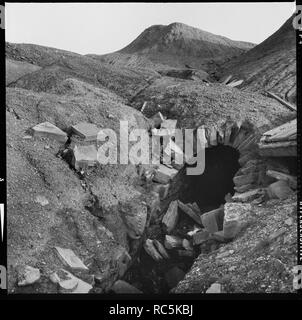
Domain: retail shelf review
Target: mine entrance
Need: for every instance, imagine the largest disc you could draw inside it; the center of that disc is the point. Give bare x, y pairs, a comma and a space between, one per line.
209, 189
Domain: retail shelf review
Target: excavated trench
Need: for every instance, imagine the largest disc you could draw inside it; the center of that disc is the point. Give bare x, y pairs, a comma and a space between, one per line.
208, 191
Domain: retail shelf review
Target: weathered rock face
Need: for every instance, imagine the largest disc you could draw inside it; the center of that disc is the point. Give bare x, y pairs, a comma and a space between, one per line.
280, 190
71, 219
266, 244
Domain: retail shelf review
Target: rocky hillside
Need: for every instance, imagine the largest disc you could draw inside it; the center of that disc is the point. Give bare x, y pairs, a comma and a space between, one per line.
176, 45
271, 65
104, 224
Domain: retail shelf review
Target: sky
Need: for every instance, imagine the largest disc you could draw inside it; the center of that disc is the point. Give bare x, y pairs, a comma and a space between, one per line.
107, 27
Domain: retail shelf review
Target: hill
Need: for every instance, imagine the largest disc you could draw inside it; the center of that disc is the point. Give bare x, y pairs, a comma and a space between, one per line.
176, 45
271, 65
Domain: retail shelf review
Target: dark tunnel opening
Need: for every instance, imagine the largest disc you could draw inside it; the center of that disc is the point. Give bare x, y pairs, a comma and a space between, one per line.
209, 189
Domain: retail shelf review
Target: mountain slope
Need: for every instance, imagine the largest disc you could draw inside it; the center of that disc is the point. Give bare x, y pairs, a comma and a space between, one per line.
176, 45
271, 65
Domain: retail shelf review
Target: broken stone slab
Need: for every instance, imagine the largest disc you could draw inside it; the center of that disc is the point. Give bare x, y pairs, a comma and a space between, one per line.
48, 130
192, 214
144, 106
195, 208
248, 196
28, 275
171, 216
214, 288
172, 242
161, 249
173, 276
157, 119
245, 179
68, 283
84, 156
164, 174
151, 250
123, 287
208, 220
278, 149
291, 180
200, 237
235, 83
226, 79
213, 220
233, 215
161, 189
279, 190
87, 131
282, 101
69, 258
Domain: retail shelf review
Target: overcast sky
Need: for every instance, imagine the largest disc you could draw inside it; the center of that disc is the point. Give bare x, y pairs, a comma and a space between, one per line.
106, 27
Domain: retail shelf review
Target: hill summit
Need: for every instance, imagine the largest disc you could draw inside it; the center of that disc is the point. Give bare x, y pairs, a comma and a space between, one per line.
177, 45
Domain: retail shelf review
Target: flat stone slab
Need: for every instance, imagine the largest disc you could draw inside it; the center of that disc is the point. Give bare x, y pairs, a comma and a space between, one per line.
248, 196
84, 156
49, 130
164, 174
161, 249
87, 131
279, 190
292, 181
233, 216
214, 288
28, 275
245, 179
190, 212
170, 218
172, 242
68, 283
121, 287
213, 220
69, 258
200, 237
151, 250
